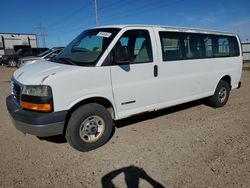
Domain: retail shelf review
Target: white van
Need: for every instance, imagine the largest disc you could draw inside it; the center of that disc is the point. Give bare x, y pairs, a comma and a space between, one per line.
114, 72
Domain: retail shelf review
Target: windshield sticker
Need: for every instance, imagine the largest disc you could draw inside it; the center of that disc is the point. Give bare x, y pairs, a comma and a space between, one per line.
104, 34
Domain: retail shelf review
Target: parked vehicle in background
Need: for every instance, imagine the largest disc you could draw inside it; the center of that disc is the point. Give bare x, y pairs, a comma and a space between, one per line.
1, 59
110, 73
12, 59
47, 55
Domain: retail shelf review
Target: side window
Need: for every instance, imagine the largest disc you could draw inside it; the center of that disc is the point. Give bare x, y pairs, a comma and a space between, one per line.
192, 45
171, 46
220, 46
233, 46
207, 40
124, 41
138, 44
223, 47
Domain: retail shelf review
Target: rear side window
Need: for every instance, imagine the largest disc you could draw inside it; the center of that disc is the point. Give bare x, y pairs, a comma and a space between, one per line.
223, 47
220, 46
192, 45
171, 46
234, 46
207, 40
177, 46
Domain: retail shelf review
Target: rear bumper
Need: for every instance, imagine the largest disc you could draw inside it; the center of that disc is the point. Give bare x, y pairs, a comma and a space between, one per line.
36, 123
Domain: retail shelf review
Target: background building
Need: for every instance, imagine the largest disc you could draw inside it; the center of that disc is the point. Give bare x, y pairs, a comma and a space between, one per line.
9, 42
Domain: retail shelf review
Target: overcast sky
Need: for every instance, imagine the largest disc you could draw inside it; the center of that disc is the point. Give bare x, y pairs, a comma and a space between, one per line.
63, 19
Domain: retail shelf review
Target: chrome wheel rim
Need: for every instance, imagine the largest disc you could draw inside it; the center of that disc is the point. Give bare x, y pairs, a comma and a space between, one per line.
92, 128
222, 95
12, 63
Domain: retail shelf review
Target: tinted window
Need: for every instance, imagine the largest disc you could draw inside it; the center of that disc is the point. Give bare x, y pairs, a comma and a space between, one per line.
233, 46
171, 46
220, 46
192, 45
207, 40
223, 47
139, 45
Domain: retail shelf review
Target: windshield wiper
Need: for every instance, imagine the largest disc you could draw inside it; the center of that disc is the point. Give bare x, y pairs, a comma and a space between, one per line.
67, 60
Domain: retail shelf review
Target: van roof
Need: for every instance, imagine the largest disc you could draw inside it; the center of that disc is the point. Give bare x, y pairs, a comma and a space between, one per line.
172, 28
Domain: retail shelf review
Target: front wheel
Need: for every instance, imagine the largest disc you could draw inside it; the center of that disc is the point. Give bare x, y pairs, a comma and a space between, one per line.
89, 127
221, 94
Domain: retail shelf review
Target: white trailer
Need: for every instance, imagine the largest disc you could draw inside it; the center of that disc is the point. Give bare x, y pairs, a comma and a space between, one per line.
9, 40
246, 50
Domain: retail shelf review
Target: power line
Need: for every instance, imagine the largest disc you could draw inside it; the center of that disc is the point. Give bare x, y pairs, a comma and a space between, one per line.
66, 19
144, 9
108, 6
41, 34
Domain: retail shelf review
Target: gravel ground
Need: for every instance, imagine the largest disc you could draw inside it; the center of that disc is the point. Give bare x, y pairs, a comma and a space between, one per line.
191, 145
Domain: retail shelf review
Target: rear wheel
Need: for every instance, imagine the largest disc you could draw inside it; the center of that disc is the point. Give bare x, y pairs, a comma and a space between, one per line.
221, 94
89, 127
12, 63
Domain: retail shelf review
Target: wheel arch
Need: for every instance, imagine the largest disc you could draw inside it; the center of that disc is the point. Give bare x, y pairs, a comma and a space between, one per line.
99, 100
227, 79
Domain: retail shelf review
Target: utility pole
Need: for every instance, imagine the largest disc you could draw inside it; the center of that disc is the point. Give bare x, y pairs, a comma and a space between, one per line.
96, 13
41, 34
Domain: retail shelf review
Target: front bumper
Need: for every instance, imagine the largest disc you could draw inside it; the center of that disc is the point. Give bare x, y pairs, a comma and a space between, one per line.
36, 123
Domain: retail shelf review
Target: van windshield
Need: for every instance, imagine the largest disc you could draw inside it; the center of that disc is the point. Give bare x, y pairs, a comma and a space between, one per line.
87, 48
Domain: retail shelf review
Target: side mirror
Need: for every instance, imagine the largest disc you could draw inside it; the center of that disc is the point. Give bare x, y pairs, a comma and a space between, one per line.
122, 55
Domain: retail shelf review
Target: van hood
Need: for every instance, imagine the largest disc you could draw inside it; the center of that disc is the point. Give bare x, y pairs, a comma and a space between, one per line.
37, 73
30, 58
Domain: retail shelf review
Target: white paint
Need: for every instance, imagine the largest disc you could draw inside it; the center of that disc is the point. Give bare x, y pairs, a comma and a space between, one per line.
177, 81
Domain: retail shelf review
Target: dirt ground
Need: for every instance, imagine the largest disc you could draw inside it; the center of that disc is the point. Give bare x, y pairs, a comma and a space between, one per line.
191, 145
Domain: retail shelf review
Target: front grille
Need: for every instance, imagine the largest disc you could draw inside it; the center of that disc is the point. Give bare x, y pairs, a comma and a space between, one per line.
16, 91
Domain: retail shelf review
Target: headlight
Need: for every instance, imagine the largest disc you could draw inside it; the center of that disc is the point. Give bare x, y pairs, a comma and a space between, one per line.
40, 90
38, 98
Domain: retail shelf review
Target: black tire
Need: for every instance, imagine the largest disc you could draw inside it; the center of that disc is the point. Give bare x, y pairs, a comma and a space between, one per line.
12, 63
221, 94
18, 65
89, 121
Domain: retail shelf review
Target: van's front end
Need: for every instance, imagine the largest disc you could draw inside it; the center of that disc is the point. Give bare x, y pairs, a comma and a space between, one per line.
31, 103
46, 96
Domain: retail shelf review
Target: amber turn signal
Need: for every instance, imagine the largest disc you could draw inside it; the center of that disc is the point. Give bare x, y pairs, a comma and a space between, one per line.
37, 107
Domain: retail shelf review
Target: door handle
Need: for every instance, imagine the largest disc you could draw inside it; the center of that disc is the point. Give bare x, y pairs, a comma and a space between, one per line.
155, 71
